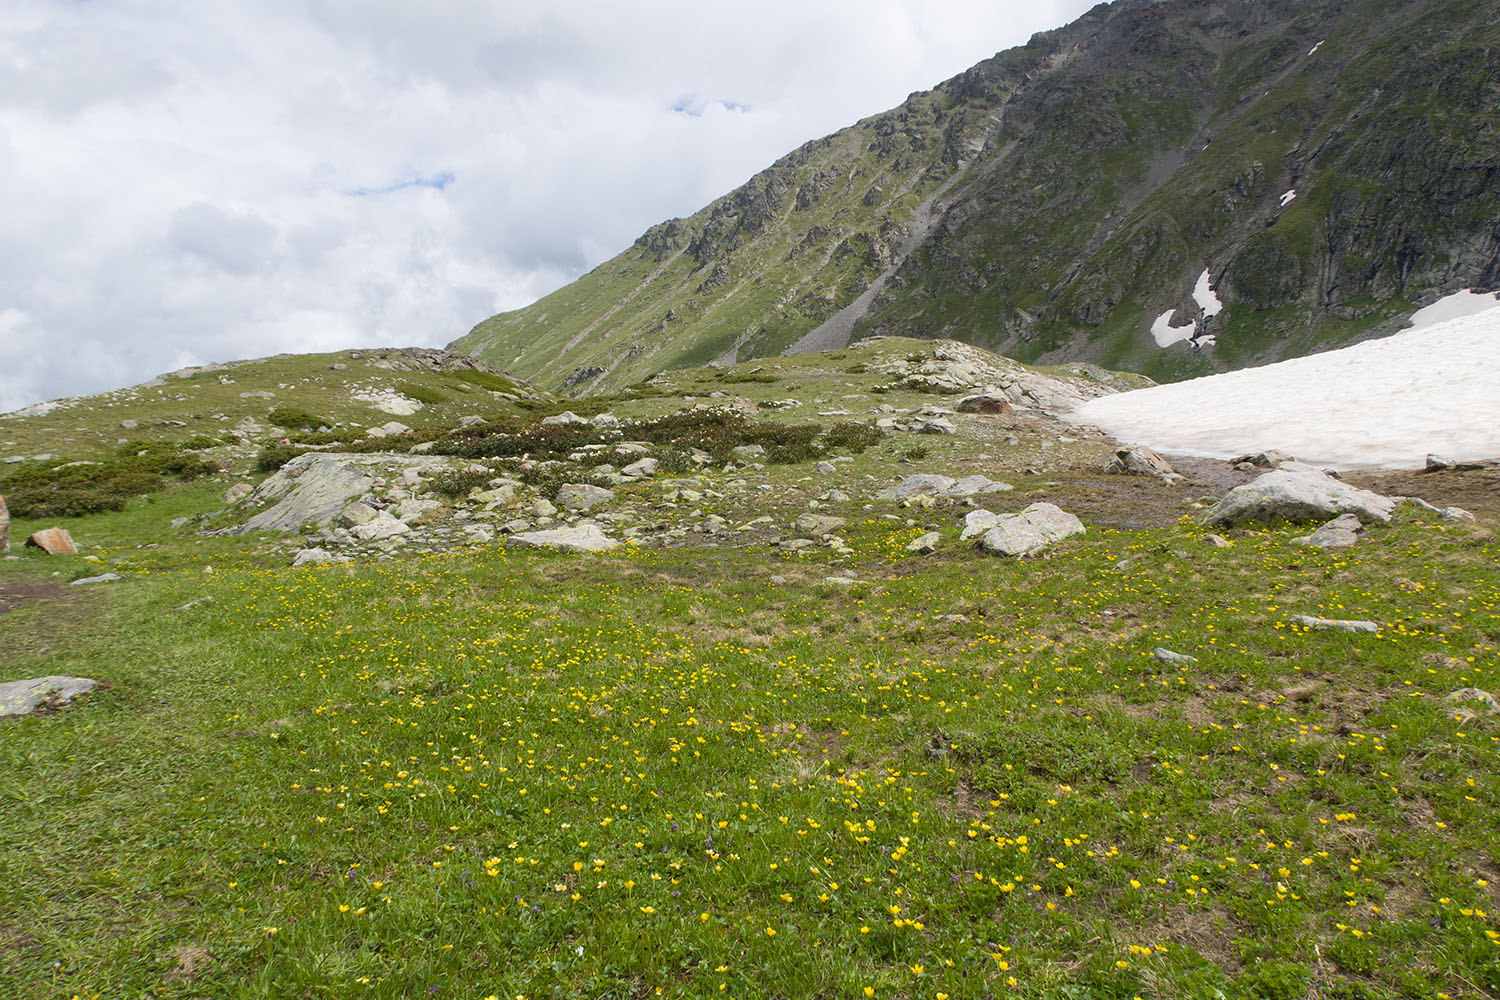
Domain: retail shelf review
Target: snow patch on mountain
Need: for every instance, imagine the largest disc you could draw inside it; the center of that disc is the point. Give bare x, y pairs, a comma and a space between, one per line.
1433, 388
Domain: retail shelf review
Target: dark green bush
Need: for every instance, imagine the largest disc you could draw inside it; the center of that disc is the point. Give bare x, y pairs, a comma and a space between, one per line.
293, 419
458, 484
35, 489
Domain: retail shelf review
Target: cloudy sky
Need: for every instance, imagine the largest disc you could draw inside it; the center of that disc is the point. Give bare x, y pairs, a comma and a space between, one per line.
183, 183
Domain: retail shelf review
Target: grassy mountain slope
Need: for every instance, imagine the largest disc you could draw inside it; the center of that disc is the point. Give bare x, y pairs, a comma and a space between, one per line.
1052, 201
743, 755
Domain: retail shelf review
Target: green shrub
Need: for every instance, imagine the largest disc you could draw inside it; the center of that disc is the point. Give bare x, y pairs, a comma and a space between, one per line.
458, 484
35, 489
292, 418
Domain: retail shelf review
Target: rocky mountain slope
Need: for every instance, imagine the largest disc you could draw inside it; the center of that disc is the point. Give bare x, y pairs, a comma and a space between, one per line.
1172, 187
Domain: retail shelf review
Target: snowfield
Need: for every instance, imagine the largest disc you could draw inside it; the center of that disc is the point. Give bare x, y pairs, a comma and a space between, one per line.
1434, 388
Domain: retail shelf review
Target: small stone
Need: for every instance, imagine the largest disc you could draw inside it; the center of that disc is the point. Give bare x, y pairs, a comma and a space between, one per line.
1474, 696
1457, 514
819, 524
379, 528
585, 537
824, 468
643, 469
357, 513
129, 425
1340, 533
1218, 541
563, 418
583, 496
1336, 625
1164, 655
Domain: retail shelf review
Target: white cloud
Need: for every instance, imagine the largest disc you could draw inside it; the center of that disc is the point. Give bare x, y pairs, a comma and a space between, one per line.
231, 179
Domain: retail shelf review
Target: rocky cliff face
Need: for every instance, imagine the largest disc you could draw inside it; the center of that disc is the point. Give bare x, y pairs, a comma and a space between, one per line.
1327, 166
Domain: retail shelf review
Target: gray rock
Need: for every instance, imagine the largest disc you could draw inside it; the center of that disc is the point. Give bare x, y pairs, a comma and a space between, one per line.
1297, 492
1263, 459
924, 544
565, 417
4, 526
101, 578
586, 537
916, 485
1218, 541
381, 527
315, 487
316, 557
819, 524
543, 508
605, 420
472, 420
391, 428
977, 522
478, 534
181, 522
1140, 461
643, 469
237, 492
1340, 533
25, 697
1335, 624
583, 496
1457, 514
1171, 658
973, 485
1030, 530
937, 425
357, 513
129, 425
413, 508
748, 451
258, 394
824, 468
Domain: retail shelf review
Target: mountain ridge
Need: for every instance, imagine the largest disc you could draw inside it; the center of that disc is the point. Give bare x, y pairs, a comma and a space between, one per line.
1079, 185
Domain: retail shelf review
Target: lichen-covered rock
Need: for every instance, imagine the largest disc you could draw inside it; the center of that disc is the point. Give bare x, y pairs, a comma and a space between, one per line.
1340, 533
1298, 492
587, 537
819, 524
1030, 530
583, 496
1141, 461
25, 697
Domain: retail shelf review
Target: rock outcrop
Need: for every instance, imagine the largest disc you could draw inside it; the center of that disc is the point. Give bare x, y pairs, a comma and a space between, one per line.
1029, 531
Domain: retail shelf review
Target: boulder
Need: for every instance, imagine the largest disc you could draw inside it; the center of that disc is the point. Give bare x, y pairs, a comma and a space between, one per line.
357, 513
237, 492
935, 425
563, 418
1297, 492
472, 420
53, 541
989, 401
971, 485
605, 420
391, 428
381, 527
748, 451
819, 524
316, 557
1340, 533
587, 537
1140, 461
1030, 530
643, 469
583, 496
924, 544
1172, 658
4, 526
977, 522
25, 697
916, 486
412, 508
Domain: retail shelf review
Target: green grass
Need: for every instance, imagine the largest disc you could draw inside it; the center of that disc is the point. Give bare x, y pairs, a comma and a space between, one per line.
523, 775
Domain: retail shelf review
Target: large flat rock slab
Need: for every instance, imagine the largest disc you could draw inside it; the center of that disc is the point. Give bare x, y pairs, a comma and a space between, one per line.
25, 697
